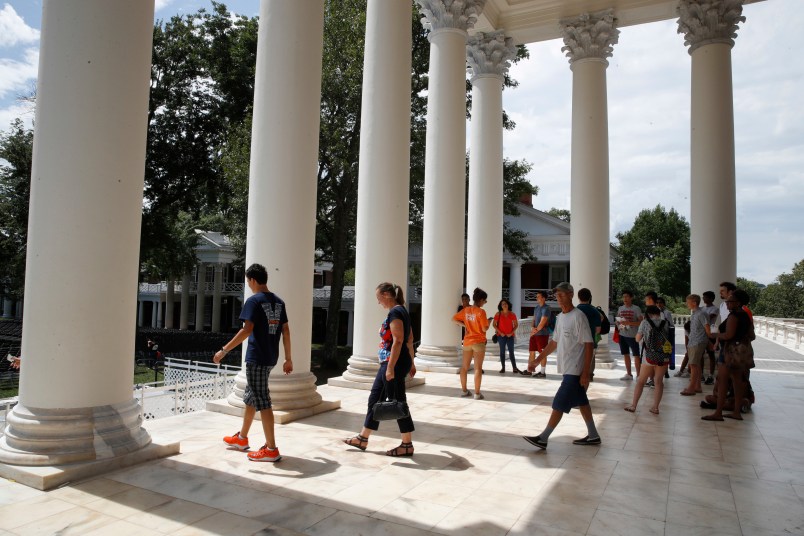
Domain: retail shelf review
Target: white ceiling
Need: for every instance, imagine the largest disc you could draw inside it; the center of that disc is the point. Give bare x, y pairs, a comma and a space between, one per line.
528, 21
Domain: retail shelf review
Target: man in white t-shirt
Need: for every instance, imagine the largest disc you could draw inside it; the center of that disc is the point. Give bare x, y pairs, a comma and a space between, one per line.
711, 311
572, 338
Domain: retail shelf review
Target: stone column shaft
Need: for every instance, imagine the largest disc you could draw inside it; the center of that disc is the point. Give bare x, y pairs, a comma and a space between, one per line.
515, 288
155, 314
184, 313
200, 296
710, 28
169, 303
216, 298
445, 182
284, 157
87, 180
140, 313
384, 178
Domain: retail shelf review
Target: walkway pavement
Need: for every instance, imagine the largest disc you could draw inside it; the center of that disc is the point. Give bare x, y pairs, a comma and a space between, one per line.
471, 474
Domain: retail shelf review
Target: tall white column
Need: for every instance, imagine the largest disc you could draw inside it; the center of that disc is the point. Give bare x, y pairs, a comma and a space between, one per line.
489, 56
200, 296
140, 313
86, 200
444, 180
515, 288
169, 303
184, 313
384, 178
7, 302
155, 314
284, 156
709, 29
216, 298
589, 40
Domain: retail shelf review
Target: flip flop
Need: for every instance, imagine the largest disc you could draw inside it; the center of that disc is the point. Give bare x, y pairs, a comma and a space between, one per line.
687, 393
629, 409
711, 418
732, 416
655, 411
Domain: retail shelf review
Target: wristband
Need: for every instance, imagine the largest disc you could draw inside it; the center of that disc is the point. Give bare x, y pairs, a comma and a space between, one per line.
224, 350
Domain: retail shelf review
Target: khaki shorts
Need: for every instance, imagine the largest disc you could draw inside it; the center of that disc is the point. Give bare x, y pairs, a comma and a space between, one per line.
696, 353
477, 347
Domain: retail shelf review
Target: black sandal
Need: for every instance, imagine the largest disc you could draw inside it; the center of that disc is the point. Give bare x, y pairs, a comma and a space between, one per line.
407, 450
358, 442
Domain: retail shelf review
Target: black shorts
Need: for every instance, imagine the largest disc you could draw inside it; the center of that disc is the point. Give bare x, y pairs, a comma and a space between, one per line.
570, 394
629, 343
257, 394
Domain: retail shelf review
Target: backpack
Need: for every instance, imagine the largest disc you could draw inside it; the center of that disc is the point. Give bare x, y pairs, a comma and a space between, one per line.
605, 325
657, 344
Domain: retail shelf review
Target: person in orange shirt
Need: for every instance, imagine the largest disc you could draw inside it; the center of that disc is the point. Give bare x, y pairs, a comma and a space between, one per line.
474, 320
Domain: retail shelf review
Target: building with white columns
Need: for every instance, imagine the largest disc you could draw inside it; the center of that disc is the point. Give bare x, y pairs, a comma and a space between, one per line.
88, 164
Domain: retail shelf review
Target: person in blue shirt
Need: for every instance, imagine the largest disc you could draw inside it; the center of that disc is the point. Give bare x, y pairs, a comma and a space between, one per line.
265, 322
593, 316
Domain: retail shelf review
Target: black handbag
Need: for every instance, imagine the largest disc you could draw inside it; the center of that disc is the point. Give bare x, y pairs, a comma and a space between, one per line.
390, 409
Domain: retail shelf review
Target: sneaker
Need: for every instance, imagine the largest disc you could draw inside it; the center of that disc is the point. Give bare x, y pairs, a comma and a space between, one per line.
502, 371
240, 443
584, 441
536, 440
479, 396
679, 374
466, 393
265, 455
650, 383
539, 375
686, 374
627, 378
709, 380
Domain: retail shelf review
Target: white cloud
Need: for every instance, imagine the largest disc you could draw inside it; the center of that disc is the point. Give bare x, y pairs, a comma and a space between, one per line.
162, 4
13, 29
17, 75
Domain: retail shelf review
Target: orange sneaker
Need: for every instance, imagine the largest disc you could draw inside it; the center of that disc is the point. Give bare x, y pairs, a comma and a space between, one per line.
265, 455
240, 443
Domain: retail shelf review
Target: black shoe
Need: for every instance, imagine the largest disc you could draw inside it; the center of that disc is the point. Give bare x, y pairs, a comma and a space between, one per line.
587, 441
502, 371
540, 375
707, 405
709, 380
536, 440
516, 371
649, 383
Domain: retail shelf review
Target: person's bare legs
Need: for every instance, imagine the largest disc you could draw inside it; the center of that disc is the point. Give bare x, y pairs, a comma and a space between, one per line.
739, 388
248, 418
640, 385
479, 356
637, 364
658, 387
267, 417
694, 386
722, 387
555, 418
627, 360
467, 360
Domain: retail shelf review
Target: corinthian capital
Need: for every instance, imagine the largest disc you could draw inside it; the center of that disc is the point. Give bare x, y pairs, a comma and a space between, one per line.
454, 14
490, 53
709, 21
590, 35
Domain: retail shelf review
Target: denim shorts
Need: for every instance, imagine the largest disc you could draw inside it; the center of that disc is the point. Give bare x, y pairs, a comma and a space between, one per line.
571, 394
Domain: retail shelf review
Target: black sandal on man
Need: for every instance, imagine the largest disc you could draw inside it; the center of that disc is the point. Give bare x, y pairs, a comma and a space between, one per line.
404, 449
358, 442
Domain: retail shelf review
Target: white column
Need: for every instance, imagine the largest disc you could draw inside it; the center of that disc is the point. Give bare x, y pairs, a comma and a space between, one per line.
515, 288
86, 202
489, 56
384, 178
155, 314
589, 40
216, 298
710, 28
185, 301
140, 313
284, 156
350, 329
7, 302
200, 296
18, 308
169, 304
445, 180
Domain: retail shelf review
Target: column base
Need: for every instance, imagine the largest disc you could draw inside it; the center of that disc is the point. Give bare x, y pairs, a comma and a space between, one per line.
444, 359
294, 397
361, 372
603, 356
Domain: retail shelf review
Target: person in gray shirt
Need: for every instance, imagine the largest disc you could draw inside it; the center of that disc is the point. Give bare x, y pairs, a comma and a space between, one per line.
629, 316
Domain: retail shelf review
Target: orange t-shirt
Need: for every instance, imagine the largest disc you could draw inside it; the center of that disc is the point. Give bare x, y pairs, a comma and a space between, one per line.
476, 322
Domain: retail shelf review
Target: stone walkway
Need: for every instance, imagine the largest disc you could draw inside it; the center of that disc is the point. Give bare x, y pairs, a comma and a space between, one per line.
471, 474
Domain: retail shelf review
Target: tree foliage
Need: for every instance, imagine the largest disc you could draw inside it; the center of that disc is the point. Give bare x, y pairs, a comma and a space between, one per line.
16, 149
784, 298
654, 255
560, 213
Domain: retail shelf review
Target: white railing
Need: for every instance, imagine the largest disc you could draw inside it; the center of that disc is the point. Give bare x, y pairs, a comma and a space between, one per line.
680, 320
781, 330
209, 287
186, 387
324, 293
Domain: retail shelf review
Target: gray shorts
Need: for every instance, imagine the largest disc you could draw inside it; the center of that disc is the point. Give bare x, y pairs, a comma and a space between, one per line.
257, 394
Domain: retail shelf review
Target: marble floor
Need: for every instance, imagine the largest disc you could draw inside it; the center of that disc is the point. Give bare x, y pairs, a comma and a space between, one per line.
472, 472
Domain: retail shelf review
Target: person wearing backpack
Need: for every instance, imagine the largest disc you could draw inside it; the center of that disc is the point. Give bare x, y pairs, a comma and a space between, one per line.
655, 333
595, 320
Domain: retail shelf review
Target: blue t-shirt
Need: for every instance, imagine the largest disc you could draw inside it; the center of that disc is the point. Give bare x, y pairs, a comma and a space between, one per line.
268, 313
593, 316
387, 339
539, 312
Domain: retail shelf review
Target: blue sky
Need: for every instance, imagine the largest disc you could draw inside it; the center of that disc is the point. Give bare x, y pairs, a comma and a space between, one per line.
649, 118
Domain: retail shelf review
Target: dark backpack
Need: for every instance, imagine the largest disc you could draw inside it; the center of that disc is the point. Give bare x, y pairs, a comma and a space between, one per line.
605, 325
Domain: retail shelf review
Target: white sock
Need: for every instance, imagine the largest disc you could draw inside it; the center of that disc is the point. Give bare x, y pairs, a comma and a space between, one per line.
544, 369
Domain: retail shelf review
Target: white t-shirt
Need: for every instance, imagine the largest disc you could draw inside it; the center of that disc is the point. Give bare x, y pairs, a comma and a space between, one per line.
711, 316
724, 312
571, 334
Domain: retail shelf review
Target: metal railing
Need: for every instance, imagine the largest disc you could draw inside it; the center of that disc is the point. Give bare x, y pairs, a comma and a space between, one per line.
186, 387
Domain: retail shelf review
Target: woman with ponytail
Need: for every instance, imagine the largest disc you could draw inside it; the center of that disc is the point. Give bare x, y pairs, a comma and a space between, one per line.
396, 362
474, 319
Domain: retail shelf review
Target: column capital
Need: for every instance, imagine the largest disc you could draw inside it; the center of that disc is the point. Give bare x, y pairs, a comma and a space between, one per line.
489, 54
704, 22
450, 14
590, 36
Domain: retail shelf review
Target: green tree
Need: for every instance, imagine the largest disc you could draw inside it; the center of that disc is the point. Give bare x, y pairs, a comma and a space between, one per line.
16, 148
560, 213
753, 289
654, 255
784, 298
